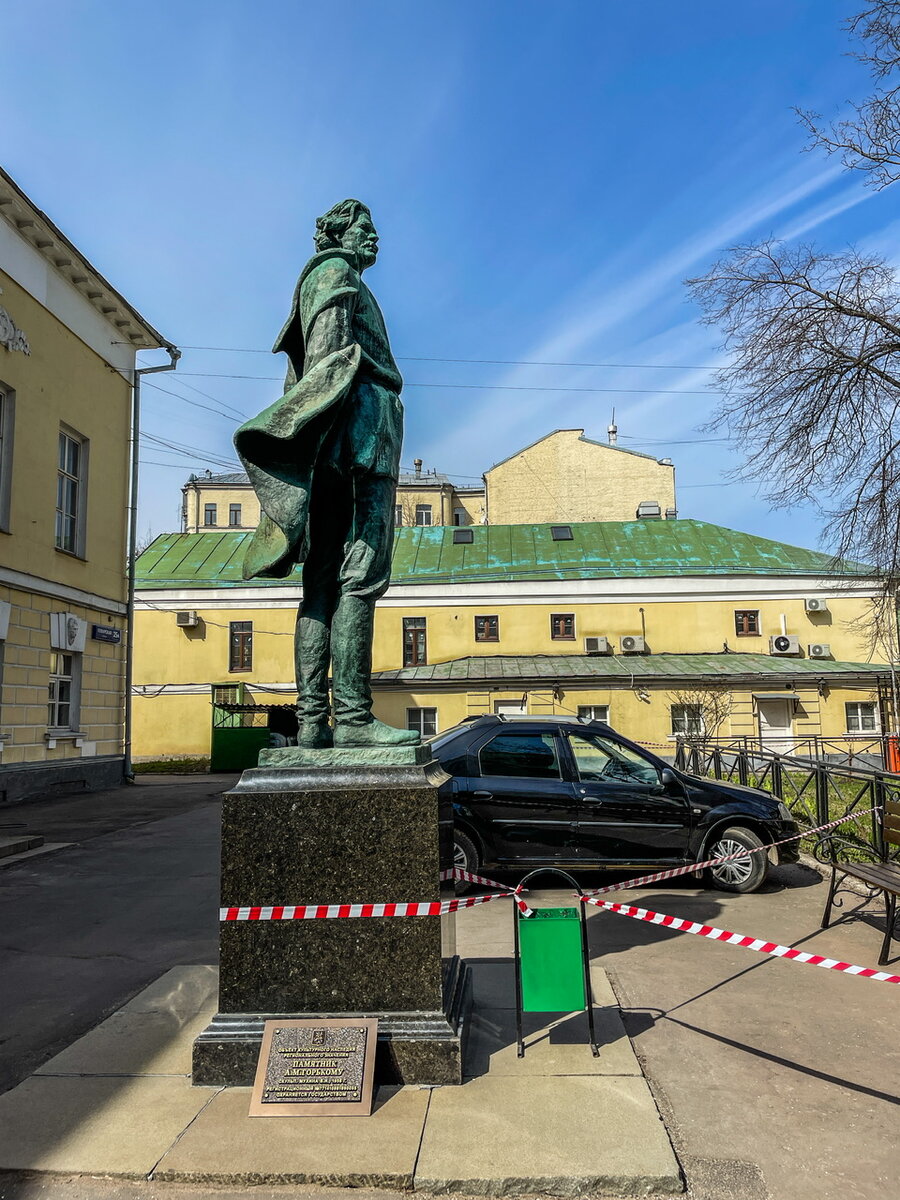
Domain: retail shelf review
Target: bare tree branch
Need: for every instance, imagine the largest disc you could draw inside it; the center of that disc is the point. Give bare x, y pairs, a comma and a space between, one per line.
869, 141
812, 389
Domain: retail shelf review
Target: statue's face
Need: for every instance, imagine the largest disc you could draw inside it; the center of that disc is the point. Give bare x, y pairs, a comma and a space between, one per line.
362, 239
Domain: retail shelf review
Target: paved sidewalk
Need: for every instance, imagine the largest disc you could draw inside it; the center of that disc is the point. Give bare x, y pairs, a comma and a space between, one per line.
83, 930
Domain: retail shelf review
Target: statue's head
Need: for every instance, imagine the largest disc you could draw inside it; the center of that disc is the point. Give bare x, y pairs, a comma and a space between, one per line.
348, 225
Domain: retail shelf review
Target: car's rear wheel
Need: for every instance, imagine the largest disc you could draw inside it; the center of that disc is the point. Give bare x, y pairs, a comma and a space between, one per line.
465, 856
741, 874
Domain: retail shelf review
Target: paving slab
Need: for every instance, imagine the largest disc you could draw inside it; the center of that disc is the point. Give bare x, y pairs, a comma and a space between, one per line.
558, 1046
95, 1125
133, 1043
183, 991
225, 1145
506, 1135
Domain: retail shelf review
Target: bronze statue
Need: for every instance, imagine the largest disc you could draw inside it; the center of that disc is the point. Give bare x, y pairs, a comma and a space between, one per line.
324, 461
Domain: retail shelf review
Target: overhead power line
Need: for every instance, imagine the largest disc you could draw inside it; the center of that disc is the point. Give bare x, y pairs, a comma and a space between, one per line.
497, 362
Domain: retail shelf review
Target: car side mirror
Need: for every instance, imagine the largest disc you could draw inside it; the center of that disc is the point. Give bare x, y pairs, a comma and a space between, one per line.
668, 779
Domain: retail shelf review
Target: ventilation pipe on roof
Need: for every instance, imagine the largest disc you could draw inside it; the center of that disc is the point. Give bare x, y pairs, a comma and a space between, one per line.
613, 430
417, 463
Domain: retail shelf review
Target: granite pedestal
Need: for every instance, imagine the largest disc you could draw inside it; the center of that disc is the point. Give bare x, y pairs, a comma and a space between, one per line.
309, 827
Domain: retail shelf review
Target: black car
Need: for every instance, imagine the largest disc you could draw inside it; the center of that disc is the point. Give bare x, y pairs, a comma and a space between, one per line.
543, 791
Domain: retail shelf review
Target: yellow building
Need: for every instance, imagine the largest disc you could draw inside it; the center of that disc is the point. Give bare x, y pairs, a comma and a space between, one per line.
563, 476
568, 477
661, 627
67, 354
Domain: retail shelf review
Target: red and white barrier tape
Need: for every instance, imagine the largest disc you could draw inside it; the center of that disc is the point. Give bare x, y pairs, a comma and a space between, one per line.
740, 939
423, 908
693, 868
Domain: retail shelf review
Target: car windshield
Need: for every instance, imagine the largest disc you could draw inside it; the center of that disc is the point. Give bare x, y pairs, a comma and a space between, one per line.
601, 758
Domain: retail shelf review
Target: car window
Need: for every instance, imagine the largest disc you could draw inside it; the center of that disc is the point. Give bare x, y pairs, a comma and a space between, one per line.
600, 758
528, 755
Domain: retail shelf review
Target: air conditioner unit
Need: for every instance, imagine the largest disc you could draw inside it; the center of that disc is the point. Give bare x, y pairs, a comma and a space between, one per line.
784, 643
596, 645
815, 604
820, 650
632, 643
187, 620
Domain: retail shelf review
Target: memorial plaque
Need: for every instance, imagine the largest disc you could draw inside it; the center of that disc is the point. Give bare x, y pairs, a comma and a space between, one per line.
310, 1068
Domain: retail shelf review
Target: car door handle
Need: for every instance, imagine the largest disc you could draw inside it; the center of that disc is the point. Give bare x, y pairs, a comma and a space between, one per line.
482, 795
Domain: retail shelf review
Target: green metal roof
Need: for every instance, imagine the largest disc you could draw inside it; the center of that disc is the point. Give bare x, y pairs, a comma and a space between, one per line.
632, 669
597, 550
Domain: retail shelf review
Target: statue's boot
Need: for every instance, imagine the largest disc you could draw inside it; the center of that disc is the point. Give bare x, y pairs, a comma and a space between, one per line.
351, 649
312, 652
315, 735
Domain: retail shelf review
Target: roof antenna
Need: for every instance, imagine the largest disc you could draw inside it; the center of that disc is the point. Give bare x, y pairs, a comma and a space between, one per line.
613, 429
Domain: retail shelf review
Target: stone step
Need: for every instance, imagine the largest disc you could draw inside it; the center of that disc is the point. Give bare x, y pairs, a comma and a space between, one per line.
19, 843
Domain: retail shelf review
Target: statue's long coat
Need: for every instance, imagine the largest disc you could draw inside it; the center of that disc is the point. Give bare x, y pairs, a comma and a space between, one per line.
280, 447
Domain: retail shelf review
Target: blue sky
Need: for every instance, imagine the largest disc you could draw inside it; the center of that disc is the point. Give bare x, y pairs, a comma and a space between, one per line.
543, 178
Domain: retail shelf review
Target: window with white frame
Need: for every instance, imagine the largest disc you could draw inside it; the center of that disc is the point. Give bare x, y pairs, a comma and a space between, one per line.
423, 514
687, 719
71, 481
593, 712
422, 720
62, 708
862, 716
398, 515
6, 435
210, 514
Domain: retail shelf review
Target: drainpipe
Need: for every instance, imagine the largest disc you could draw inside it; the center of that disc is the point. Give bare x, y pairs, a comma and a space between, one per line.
174, 355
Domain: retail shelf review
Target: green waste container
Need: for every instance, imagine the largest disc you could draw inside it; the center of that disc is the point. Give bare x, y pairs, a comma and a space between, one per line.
551, 962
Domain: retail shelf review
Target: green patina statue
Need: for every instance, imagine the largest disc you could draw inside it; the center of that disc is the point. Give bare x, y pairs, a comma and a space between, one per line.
323, 461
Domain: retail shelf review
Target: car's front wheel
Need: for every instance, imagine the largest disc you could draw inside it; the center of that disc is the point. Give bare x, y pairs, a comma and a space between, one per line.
740, 874
465, 856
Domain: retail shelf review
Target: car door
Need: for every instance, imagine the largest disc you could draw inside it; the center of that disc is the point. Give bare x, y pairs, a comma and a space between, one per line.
626, 813
516, 788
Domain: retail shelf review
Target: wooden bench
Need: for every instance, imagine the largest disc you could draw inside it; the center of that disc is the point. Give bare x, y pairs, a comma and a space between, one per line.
883, 875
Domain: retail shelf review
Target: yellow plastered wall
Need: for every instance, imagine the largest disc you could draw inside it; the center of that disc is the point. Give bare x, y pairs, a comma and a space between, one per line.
26, 668
166, 654
64, 382
672, 627
199, 494
565, 477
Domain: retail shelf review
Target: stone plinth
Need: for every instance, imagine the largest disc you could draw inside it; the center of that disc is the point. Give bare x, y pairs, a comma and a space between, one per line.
335, 834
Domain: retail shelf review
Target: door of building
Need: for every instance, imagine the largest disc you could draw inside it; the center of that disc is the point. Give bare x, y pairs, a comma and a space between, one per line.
776, 725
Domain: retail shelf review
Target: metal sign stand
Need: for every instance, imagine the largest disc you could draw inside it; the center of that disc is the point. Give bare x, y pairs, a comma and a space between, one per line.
586, 993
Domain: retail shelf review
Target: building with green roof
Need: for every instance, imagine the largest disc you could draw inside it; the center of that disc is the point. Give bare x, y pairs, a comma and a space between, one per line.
636, 621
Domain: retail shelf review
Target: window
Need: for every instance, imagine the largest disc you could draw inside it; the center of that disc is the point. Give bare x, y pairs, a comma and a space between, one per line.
460, 516
209, 514
463, 537
528, 755
746, 622
423, 720
62, 709
561, 533
562, 627
600, 758
234, 514
594, 712
487, 629
687, 719
240, 646
398, 515
70, 479
6, 435
423, 514
862, 716
414, 644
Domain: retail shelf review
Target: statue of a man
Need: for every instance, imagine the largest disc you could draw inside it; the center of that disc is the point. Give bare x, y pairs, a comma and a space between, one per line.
324, 461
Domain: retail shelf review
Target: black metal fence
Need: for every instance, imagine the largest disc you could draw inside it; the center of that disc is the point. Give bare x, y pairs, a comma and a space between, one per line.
867, 750
815, 790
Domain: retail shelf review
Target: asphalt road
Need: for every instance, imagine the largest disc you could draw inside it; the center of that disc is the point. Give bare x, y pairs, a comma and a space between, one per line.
85, 929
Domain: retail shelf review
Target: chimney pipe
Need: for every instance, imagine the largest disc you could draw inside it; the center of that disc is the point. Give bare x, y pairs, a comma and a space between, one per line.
613, 429
417, 463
